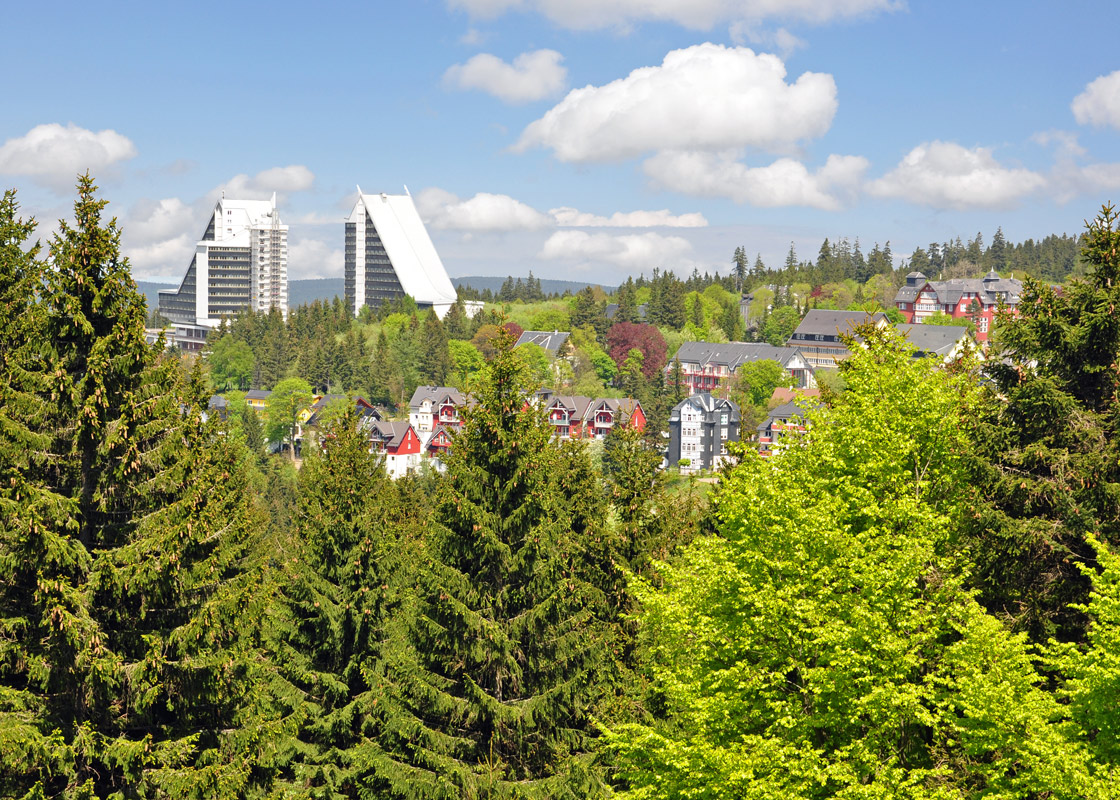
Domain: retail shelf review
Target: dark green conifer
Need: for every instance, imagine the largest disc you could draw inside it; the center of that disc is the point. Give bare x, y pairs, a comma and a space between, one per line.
496, 699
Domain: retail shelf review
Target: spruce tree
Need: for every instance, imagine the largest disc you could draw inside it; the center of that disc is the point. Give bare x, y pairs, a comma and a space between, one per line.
434, 353
126, 589
1046, 472
495, 698
339, 595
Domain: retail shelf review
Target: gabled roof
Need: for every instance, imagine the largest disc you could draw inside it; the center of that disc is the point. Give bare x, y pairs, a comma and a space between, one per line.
707, 403
786, 412
576, 404
785, 395
414, 258
391, 434
364, 408
826, 322
437, 431
733, 354
436, 394
939, 340
551, 341
258, 394
621, 407
989, 290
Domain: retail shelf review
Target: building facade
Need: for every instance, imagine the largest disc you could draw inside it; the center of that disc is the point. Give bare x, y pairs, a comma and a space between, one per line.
433, 406
241, 262
977, 299
700, 428
705, 365
818, 337
388, 254
579, 417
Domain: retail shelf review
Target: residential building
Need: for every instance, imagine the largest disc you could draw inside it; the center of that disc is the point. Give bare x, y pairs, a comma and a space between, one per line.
552, 342
704, 365
257, 399
818, 335
977, 299
432, 406
241, 262
388, 254
398, 443
579, 417
438, 447
187, 337
700, 428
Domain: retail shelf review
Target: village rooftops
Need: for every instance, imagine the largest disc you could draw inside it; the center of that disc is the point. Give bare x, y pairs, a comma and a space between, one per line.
989, 290
434, 394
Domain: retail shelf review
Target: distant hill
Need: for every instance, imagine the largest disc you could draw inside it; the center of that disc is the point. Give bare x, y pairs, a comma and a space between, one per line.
151, 291
302, 293
548, 286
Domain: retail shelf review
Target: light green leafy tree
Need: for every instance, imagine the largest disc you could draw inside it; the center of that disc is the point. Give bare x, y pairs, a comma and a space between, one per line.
822, 643
231, 363
288, 400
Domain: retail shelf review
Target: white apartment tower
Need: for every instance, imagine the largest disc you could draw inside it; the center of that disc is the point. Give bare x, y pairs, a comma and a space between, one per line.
241, 262
389, 254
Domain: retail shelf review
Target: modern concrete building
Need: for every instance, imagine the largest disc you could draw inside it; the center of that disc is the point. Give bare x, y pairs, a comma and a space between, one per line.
240, 262
389, 254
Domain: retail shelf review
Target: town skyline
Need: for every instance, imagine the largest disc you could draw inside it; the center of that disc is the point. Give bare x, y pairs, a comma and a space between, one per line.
589, 143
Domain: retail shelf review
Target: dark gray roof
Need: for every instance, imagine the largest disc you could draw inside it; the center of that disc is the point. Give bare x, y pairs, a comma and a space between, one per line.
826, 322
989, 290
788, 411
391, 433
258, 394
733, 354
436, 394
551, 341
933, 339
612, 309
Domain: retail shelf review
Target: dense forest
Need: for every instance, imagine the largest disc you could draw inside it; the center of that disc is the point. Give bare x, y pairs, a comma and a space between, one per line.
918, 597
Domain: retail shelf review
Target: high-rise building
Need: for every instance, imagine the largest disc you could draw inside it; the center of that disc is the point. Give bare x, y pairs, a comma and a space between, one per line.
389, 254
241, 262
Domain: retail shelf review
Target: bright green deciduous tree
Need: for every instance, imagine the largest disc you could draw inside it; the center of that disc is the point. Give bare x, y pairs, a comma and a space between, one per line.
289, 398
823, 645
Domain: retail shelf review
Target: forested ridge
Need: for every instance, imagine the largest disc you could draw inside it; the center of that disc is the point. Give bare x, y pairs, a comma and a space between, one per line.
918, 597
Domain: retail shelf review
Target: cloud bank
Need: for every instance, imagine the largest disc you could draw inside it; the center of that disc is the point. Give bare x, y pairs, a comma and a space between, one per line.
531, 76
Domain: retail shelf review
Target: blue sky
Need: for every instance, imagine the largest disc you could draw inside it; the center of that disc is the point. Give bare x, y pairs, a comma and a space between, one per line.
575, 138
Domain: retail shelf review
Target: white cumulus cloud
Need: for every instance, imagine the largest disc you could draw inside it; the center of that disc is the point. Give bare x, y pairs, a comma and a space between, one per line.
1099, 104
284, 180
485, 212
695, 14
531, 76
53, 155
947, 175
705, 97
314, 258
574, 218
631, 251
786, 182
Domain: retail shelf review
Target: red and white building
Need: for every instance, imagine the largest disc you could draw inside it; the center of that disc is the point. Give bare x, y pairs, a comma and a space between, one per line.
432, 406
578, 417
400, 445
708, 366
977, 299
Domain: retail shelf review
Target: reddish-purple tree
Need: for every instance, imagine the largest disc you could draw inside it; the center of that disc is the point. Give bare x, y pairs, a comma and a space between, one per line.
626, 335
513, 329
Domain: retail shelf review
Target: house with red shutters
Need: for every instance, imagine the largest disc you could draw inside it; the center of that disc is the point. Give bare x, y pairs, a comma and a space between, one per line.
579, 417
977, 299
399, 443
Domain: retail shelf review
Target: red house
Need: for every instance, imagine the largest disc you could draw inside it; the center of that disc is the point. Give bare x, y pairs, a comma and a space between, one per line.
578, 417
976, 299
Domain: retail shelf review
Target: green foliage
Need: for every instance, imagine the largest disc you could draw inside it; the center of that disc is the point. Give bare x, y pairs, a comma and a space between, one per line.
1047, 466
495, 695
128, 591
339, 597
823, 645
755, 382
231, 363
288, 400
780, 325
